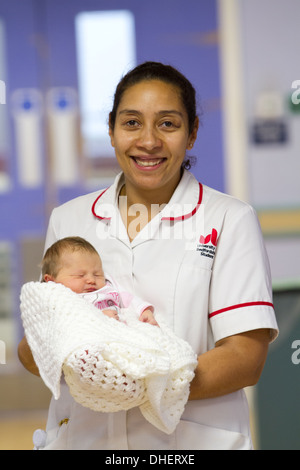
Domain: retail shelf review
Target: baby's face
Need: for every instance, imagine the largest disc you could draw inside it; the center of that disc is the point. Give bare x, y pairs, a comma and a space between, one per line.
81, 271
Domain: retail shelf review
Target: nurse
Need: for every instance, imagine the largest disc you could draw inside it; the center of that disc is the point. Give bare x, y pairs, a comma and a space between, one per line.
196, 254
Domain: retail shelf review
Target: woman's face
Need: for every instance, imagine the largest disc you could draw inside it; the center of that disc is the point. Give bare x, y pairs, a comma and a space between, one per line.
151, 136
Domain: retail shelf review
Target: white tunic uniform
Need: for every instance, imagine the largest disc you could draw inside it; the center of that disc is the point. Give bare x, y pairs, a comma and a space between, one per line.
202, 263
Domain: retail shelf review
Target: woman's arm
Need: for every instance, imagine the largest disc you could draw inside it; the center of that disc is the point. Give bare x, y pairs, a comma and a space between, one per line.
235, 362
26, 357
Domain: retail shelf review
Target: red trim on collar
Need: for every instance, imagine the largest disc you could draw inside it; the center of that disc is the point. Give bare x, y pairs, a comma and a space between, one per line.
190, 214
94, 204
181, 217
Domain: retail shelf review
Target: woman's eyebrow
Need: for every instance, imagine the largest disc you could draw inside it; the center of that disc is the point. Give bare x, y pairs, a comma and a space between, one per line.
162, 112
129, 111
170, 111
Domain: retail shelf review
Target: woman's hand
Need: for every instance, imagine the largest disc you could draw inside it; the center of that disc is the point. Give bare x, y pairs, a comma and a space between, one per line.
235, 362
26, 357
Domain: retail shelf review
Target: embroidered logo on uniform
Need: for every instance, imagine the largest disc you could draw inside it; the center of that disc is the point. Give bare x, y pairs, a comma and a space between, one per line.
208, 243
213, 238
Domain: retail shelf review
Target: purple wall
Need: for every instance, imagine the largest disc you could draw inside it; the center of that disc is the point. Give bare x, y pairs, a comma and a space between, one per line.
182, 33
40, 53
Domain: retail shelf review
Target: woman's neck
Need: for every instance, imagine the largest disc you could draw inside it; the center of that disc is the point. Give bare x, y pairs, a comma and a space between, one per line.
138, 207
145, 198
148, 196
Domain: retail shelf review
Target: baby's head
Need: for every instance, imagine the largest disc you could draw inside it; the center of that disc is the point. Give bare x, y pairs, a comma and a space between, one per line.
75, 263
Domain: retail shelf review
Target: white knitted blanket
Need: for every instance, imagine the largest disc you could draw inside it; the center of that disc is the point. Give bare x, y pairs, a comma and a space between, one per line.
108, 365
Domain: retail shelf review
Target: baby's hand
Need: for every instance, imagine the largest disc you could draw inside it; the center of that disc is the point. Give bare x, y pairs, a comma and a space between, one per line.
147, 317
112, 313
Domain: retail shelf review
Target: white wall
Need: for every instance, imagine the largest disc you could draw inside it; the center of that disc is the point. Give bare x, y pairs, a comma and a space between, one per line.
259, 40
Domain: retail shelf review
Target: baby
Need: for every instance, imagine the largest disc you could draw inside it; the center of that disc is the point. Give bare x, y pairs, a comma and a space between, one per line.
75, 263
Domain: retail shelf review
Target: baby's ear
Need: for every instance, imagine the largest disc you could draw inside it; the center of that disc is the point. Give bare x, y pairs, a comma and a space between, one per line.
48, 277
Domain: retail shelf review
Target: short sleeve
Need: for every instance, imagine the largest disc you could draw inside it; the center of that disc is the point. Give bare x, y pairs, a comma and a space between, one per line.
241, 287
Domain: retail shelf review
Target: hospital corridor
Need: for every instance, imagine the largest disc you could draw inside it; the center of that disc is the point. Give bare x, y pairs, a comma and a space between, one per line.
60, 62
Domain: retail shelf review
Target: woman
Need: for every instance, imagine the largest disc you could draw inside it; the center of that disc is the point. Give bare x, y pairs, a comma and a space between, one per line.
195, 253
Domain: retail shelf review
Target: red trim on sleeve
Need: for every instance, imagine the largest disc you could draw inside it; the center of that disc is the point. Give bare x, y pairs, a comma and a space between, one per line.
246, 304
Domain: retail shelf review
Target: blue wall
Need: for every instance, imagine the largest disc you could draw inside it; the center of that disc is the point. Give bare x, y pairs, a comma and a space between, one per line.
41, 53
181, 33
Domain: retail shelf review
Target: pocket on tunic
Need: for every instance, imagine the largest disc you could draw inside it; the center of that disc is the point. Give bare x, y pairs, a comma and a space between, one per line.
191, 301
195, 436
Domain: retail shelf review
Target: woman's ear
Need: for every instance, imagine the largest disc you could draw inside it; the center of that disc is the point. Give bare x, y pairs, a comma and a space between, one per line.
193, 134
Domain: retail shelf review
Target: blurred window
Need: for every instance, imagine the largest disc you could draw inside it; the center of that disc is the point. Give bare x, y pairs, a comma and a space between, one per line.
105, 51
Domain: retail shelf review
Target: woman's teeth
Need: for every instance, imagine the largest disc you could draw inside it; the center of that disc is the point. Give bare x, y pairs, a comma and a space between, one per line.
148, 162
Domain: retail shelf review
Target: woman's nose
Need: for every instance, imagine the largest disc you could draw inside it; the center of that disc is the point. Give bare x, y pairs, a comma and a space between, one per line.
149, 138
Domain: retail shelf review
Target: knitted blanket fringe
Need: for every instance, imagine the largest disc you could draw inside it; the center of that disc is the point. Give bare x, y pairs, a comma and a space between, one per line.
108, 365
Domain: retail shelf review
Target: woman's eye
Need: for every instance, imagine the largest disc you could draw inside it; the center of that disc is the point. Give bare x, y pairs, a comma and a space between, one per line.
132, 123
169, 125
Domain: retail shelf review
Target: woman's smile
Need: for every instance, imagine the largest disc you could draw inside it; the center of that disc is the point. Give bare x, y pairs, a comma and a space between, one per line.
148, 163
